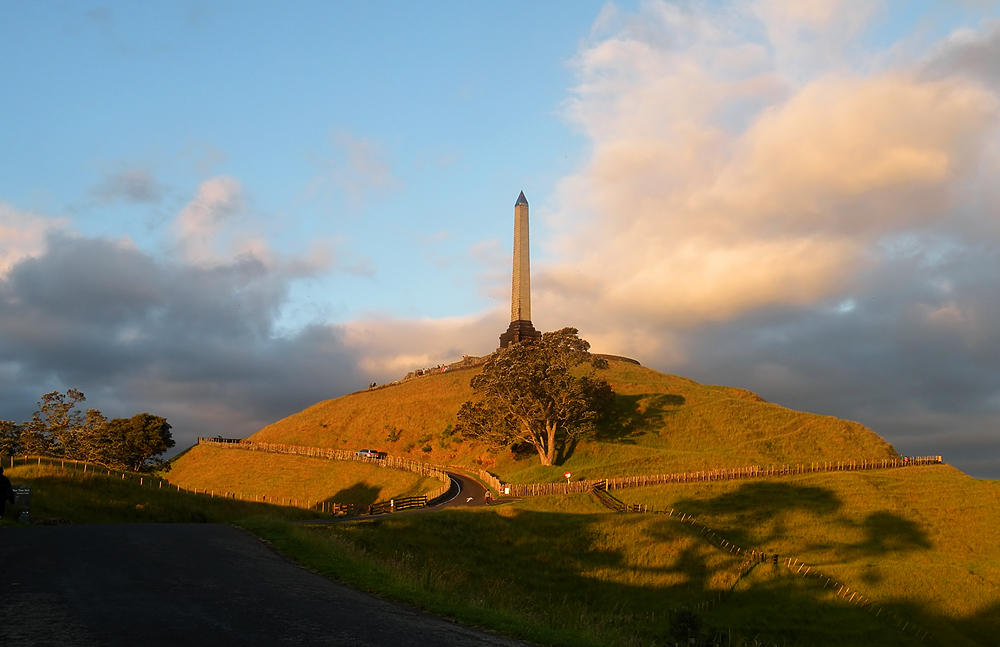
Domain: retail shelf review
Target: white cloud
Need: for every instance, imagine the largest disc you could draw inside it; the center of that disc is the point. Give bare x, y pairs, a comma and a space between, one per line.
389, 348
23, 234
686, 219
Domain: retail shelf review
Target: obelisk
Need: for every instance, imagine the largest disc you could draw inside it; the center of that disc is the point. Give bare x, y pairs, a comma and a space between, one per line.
520, 328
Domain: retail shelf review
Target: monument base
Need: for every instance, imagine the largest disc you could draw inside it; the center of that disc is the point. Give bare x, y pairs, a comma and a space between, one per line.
520, 330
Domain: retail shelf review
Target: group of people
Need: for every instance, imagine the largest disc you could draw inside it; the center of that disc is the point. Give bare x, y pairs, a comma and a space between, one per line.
440, 368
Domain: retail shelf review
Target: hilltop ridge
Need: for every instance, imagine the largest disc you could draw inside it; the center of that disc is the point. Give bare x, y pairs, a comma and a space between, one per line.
660, 423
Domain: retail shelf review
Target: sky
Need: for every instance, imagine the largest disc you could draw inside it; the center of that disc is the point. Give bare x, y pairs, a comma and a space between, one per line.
222, 212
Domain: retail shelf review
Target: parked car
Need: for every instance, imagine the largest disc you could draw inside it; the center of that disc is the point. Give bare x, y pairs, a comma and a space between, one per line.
368, 453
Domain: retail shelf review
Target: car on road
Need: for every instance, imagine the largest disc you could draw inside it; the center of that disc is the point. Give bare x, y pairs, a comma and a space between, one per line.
369, 453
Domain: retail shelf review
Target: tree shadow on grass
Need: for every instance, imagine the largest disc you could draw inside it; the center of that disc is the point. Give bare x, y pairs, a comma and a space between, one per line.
762, 505
887, 532
565, 448
358, 494
632, 416
564, 569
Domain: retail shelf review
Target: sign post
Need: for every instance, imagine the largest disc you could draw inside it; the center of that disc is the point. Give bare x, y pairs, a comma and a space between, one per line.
567, 475
22, 503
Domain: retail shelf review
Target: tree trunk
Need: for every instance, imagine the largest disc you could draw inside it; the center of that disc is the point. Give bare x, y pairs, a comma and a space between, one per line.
550, 430
539, 443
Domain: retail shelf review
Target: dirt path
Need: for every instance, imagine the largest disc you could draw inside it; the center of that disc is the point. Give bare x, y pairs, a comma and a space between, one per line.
189, 584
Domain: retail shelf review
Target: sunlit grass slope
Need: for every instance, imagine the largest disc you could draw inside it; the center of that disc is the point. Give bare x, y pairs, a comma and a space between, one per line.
923, 542
88, 497
661, 423
294, 477
924, 539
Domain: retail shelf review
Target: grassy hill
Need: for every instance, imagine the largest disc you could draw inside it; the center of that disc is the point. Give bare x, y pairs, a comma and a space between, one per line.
923, 542
661, 423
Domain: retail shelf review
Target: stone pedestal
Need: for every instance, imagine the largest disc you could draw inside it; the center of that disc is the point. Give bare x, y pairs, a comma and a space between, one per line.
519, 330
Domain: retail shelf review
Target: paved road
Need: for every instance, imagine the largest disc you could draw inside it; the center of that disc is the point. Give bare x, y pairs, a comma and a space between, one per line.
471, 492
189, 584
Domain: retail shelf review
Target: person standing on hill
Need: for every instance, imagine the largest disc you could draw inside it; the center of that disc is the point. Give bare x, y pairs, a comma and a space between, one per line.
6, 492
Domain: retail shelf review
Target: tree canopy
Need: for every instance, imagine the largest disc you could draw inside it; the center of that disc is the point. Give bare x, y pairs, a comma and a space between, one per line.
542, 393
61, 430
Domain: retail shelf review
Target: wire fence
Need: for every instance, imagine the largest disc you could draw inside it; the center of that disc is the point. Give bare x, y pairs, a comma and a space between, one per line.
753, 472
149, 480
416, 467
752, 558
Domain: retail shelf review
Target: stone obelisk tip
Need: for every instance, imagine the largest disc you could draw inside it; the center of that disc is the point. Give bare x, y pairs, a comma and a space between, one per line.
521, 199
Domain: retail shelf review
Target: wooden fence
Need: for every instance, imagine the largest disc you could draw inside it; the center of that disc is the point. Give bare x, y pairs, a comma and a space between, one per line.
163, 484
621, 483
148, 480
417, 467
397, 505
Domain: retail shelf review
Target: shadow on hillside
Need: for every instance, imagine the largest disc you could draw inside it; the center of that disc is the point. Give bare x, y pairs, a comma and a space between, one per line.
765, 506
632, 416
565, 448
769, 508
886, 532
359, 494
631, 571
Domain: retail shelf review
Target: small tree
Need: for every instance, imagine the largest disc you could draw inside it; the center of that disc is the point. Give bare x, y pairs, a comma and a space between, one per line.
10, 438
137, 443
58, 428
534, 393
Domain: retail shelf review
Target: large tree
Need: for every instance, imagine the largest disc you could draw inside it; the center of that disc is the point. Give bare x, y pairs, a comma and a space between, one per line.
542, 393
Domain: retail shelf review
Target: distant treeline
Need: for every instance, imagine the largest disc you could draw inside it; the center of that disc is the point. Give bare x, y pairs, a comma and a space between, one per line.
59, 430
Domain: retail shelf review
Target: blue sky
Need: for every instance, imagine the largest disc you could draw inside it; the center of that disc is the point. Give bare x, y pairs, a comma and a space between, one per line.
223, 212
449, 111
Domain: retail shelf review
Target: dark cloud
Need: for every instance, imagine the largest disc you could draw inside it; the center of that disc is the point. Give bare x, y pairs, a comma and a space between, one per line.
135, 186
972, 54
913, 352
195, 344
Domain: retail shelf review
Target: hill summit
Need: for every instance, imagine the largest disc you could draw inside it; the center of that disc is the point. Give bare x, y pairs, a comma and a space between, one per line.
660, 423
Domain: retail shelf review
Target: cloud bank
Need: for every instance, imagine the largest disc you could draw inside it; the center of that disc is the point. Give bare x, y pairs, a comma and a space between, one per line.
777, 209
190, 336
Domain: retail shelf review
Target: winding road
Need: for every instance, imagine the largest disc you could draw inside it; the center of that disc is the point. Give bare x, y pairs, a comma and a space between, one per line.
190, 584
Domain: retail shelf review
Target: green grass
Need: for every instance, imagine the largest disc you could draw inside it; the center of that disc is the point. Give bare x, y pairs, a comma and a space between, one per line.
58, 493
923, 542
294, 477
661, 423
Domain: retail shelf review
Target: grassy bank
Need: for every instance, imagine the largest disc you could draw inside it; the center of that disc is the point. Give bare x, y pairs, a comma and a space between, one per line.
294, 477
79, 497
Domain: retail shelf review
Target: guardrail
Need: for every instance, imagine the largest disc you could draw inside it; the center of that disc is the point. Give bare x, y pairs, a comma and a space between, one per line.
398, 505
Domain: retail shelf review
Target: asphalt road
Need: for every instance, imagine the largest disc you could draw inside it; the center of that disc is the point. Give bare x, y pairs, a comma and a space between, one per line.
190, 584
471, 492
